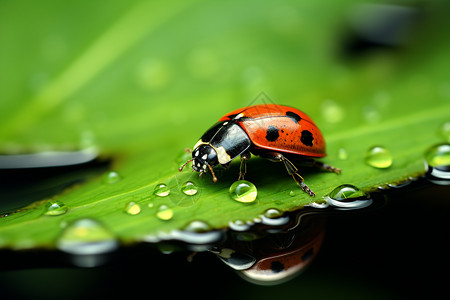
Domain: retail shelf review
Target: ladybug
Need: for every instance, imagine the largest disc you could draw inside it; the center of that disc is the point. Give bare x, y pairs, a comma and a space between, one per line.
278, 257
271, 131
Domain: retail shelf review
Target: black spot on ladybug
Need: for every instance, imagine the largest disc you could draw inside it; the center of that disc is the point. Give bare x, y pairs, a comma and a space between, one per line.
272, 134
307, 138
276, 266
308, 254
296, 118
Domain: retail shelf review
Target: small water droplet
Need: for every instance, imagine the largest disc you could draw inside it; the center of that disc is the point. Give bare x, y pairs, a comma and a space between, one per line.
292, 193
161, 190
437, 162
332, 112
347, 197
164, 213
445, 131
243, 191
371, 114
132, 208
88, 241
378, 157
55, 208
112, 177
342, 154
189, 188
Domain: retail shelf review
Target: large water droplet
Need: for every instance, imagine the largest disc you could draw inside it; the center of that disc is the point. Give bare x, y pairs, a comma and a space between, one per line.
243, 191
347, 197
88, 241
437, 162
112, 177
164, 213
132, 208
378, 157
161, 190
55, 208
189, 188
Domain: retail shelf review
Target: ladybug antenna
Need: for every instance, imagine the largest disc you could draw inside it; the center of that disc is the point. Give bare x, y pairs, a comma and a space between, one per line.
212, 173
181, 168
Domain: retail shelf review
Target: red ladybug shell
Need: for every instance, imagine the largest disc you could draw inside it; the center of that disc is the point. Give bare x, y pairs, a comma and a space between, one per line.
279, 128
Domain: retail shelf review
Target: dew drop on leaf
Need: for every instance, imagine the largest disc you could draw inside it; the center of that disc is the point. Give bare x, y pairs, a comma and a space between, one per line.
378, 157
437, 162
132, 208
164, 213
88, 241
243, 191
445, 131
342, 154
197, 226
189, 188
112, 177
348, 197
161, 190
55, 208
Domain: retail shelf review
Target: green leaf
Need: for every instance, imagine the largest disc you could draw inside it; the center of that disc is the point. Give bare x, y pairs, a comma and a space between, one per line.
143, 81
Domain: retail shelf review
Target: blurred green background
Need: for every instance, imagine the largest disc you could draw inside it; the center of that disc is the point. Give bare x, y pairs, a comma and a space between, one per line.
149, 77
130, 74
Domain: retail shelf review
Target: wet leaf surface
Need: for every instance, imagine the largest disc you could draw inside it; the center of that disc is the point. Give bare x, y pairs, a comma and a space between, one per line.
138, 91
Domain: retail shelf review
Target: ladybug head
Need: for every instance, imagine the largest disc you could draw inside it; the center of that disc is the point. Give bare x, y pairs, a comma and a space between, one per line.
204, 157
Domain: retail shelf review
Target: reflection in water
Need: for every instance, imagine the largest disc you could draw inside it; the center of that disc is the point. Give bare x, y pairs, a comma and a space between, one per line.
276, 258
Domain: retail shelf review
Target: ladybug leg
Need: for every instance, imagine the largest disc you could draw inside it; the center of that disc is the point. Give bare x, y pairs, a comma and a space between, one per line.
321, 165
326, 167
291, 169
243, 167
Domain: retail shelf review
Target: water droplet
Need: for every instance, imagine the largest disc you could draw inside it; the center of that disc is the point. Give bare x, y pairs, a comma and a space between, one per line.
189, 188
332, 112
239, 225
198, 226
87, 241
347, 197
161, 190
153, 74
112, 177
292, 193
437, 162
378, 157
445, 131
274, 217
164, 213
272, 213
342, 154
243, 191
371, 114
132, 208
55, 208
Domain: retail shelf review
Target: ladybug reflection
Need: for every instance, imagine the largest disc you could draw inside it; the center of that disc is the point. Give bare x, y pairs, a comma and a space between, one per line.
272, 131
278, 258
